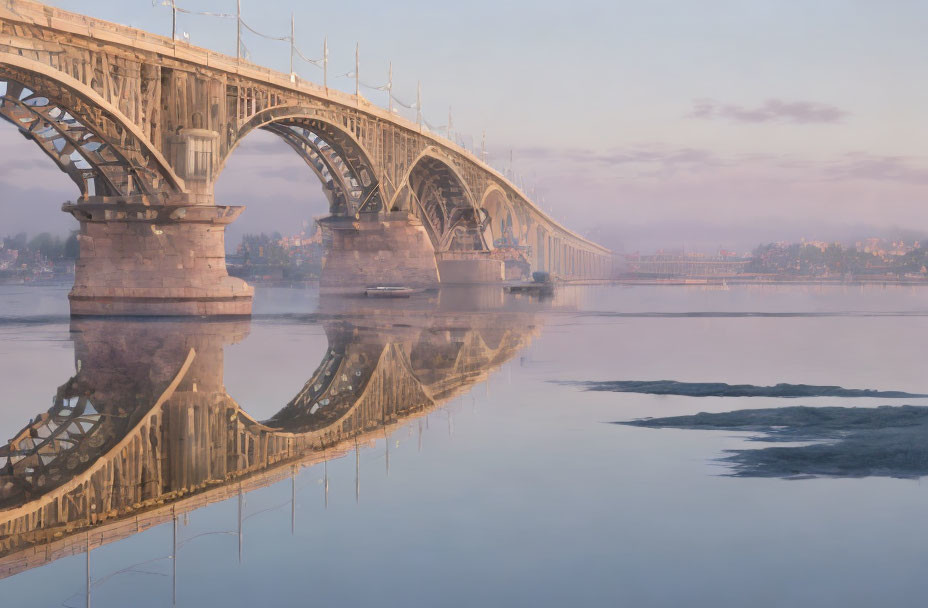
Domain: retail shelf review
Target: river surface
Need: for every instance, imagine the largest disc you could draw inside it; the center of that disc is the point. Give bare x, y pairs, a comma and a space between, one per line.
450, 450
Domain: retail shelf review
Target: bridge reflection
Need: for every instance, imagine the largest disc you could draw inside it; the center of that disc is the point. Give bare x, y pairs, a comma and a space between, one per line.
145, 429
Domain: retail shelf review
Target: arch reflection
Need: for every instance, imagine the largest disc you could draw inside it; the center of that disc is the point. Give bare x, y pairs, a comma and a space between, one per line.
145, 428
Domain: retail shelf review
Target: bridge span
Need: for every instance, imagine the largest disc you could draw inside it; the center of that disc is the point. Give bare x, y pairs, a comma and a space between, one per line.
144, 126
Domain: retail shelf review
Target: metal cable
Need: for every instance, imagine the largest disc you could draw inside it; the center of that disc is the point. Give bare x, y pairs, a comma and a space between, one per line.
203, 13
315, 62
433, 127
257, 33
190, 12
411, 106
382, 87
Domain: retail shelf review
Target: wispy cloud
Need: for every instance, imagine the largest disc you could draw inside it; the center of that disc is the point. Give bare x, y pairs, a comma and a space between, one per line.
771, 111
664, 162
650, 156
881, 168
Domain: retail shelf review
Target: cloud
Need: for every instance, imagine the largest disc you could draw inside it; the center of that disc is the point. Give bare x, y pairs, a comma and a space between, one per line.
648, 157
664, 161
879, 168
771, 111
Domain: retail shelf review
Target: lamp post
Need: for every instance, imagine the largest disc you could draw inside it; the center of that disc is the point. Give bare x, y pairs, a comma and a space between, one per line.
419, 104
292, 40
238, 30
390, 89
325, 63
173, 20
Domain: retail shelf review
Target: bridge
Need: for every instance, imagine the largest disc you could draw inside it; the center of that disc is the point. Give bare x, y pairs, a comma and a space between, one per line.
145, 431
144, 126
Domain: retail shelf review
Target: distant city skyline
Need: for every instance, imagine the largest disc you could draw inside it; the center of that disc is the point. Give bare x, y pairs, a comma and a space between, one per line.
722, 123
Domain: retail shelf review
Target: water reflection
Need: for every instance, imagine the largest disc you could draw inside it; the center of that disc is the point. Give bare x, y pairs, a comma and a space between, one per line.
145, 428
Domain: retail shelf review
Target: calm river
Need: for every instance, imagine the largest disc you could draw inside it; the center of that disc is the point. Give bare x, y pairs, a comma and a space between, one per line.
461, 449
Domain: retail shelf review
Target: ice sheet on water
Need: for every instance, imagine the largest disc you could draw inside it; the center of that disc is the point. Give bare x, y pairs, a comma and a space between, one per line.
887, 441
720, 389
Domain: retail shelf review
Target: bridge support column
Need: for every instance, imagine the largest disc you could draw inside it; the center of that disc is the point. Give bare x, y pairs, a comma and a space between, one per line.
138, 259
469, 267
386, 249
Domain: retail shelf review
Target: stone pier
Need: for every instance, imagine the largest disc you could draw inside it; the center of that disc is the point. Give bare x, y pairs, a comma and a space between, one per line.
154, 260
389, 249
469, 267
395, 249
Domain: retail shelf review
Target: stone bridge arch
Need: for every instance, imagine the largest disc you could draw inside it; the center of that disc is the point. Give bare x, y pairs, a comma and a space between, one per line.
350, 179
504, 219
441, 198
102, 150
148, 245
541, 247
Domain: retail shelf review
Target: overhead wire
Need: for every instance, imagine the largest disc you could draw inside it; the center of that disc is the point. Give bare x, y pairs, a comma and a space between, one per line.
268, 37
316, 62
187, 11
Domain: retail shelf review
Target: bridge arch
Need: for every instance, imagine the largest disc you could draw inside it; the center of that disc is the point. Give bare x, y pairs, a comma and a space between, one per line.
350, 179
506, 224
441, 198
542, 248
92, 141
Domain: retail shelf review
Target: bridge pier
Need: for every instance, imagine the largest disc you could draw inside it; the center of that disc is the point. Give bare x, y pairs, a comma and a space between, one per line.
469, 267
138, 259
385, 249
395, 249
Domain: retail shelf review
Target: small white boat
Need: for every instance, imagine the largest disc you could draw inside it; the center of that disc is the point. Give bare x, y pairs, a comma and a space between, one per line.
389, 292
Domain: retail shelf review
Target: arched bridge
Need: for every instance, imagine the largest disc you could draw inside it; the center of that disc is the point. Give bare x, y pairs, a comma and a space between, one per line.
144, 126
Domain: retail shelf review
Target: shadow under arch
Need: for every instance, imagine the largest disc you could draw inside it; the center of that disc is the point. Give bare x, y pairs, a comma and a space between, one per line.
145, 428
441, 199
89, 139
350, 181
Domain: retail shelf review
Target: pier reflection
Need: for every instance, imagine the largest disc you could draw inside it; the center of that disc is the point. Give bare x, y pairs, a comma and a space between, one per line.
145, 428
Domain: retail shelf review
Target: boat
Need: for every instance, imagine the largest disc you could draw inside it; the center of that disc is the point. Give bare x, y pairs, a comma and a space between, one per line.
387, 291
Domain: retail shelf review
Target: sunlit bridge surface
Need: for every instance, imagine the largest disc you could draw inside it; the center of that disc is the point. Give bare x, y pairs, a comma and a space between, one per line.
144, 126
464, 435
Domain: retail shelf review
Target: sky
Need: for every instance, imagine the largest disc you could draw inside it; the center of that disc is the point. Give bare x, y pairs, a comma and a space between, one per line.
640, 124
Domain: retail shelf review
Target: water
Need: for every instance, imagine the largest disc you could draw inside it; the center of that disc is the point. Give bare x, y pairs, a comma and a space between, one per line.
470, 471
